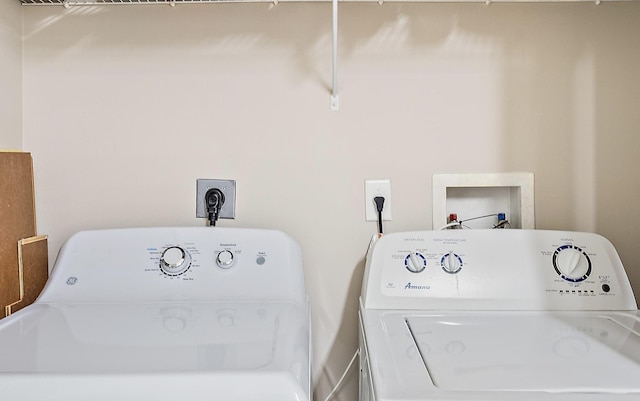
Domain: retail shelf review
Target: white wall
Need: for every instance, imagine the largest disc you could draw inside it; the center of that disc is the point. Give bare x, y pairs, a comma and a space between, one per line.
125, 107
10, 75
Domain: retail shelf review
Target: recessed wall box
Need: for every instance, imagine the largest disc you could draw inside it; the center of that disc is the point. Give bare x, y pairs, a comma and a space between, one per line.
476, 195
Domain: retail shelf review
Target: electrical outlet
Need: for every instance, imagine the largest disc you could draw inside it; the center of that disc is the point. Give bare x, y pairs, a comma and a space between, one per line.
228, 188
373, 188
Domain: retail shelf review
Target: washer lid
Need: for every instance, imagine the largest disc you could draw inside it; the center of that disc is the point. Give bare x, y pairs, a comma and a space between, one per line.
580, 352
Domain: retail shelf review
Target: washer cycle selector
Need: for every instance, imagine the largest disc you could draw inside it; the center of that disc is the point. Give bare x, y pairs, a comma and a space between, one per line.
174, 261
225, 259
451, 263
415, 262
572, 263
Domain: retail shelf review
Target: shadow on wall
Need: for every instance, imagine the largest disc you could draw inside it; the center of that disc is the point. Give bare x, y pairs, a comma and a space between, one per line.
617, 139
220, 33
343, 348
301, 31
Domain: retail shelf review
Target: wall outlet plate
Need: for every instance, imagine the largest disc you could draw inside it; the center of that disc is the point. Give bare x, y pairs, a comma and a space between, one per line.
228, 188
373, 188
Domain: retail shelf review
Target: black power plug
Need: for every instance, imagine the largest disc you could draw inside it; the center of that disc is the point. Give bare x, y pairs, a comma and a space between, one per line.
214, 199
379, 201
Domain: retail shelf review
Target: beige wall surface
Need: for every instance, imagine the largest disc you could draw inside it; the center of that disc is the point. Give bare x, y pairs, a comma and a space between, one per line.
10, 75
125, 107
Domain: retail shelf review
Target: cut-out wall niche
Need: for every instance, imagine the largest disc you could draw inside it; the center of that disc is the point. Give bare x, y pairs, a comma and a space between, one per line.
476, 200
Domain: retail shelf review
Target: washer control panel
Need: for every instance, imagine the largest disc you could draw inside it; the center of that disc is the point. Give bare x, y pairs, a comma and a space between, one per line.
497, 269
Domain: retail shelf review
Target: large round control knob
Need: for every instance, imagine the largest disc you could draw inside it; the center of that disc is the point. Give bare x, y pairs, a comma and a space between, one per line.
572, 263
451, 263
225, 259
174, 261
415, 262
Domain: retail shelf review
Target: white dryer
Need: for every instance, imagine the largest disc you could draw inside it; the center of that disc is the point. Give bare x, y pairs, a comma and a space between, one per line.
164, 314
497, 315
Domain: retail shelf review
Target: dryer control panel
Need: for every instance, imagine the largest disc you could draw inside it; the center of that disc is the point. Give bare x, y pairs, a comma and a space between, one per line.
496, 270
196, 264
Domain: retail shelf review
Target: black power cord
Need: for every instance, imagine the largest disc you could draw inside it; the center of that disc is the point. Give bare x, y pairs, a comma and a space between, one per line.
379, 201
214, 199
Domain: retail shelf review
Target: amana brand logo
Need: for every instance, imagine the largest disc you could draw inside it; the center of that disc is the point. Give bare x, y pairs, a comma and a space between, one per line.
410, 286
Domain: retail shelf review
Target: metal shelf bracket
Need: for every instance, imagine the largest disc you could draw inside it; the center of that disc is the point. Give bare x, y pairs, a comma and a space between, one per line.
335, 99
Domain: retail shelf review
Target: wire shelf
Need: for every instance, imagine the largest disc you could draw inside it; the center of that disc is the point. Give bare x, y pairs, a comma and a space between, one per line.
106, 2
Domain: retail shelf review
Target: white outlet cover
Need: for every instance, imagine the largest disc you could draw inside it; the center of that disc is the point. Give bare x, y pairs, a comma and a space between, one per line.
373, 188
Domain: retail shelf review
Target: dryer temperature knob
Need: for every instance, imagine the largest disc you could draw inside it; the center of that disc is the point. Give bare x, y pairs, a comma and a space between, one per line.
225, 259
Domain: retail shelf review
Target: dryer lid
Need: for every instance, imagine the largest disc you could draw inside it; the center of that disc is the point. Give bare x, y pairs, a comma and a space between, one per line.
151, 338
557, 353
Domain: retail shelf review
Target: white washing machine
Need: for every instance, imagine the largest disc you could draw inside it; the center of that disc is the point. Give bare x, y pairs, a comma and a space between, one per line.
497, 315
164, 314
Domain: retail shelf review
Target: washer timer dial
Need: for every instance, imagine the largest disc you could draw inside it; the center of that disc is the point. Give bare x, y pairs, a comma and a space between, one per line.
572, 263
174, 261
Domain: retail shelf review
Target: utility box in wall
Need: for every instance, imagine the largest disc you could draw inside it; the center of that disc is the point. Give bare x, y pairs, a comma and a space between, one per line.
476, 200
23, 254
